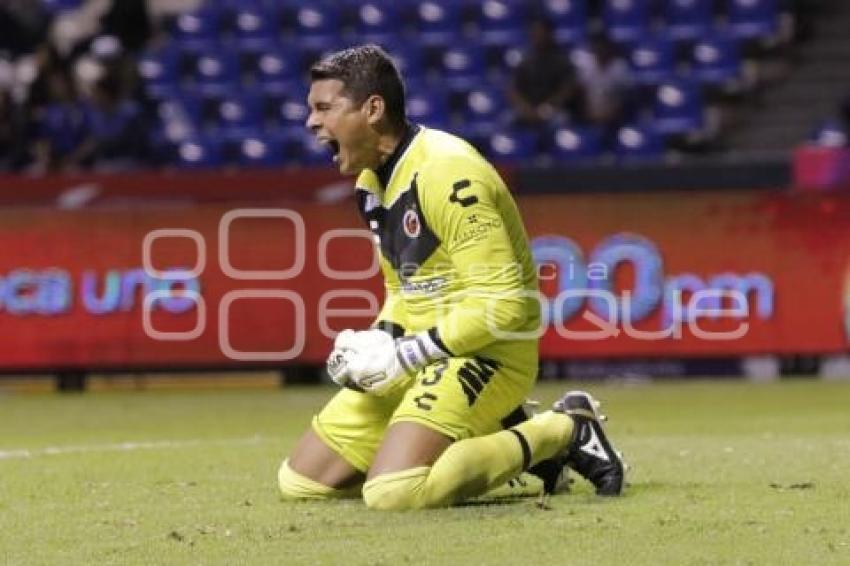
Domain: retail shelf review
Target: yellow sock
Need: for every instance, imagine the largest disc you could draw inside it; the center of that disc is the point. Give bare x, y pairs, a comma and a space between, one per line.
471, 467
523, 485
296, 486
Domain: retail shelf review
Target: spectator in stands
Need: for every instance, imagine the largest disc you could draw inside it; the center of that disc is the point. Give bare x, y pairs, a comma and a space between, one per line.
23, 26
605, 81
11, 132
47, 60
61, 125
115, 138
543, 89
129, 21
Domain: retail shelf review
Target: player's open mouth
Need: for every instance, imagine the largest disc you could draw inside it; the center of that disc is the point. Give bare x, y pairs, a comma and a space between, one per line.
332, 145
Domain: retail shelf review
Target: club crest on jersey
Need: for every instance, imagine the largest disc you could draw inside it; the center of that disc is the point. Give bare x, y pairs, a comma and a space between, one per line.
411, 224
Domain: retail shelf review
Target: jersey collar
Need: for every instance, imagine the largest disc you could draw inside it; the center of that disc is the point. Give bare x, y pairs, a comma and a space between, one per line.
385, 171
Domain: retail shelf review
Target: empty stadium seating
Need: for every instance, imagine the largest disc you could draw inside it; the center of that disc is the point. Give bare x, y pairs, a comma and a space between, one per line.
638, 142
716, 59
626, 20
652, 60
576, 143
457, 58
688, 19
569, 18
677, 107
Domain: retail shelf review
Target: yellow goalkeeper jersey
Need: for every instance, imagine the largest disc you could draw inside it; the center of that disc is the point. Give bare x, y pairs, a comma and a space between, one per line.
453, 249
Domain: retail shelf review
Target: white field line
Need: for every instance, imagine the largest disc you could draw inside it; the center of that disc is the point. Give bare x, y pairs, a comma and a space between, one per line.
22, 453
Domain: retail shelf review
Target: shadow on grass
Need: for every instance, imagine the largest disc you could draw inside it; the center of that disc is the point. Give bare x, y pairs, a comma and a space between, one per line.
501, 501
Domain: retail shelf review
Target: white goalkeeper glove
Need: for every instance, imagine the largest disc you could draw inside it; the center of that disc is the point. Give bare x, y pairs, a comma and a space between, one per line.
337, 363
379, 364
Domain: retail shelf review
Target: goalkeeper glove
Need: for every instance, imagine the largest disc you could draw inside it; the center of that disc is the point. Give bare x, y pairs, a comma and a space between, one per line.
337, 364
379, 364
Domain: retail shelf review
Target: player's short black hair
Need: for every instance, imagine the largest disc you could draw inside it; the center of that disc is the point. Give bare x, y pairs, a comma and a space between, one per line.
365, 70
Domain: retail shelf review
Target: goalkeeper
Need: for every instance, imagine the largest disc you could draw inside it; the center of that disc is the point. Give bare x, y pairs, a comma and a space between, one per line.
420, 420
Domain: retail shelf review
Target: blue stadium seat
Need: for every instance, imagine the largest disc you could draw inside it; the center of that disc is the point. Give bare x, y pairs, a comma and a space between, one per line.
159, 70
462, 66
752, 18
425, 106
830, 133
290, 142
688, 19
311, 152
199, 153
200, 26
437, 21
289, 111
678, 107
255, 150
375, 21
216, 72
162, 150
407, 56
626, 20
569, 18
313, 51
484, 105
576, 143
511, 146
501, 22
254, 24
638, 142
502, 60
652, 60
176, 119
506, 58
716, 59
276, 68
238, 112
476, 134
315, 24
180, 115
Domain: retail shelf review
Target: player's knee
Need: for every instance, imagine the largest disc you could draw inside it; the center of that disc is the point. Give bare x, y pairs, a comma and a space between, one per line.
297, 486
397, 491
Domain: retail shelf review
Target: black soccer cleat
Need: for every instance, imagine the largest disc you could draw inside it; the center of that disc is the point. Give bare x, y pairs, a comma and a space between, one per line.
553, 473
590, 453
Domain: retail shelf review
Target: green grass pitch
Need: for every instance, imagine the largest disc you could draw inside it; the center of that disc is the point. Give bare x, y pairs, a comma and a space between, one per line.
723, 473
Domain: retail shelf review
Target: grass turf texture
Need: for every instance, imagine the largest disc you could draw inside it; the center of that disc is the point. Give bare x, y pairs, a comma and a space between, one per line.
724, 473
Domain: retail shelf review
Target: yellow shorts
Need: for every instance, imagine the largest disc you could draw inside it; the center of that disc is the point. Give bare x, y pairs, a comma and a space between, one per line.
460, 397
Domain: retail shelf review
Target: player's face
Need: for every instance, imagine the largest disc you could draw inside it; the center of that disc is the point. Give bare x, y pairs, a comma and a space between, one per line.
343, 126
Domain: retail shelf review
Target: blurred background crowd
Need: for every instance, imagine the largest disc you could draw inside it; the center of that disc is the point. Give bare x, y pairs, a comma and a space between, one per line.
121, 84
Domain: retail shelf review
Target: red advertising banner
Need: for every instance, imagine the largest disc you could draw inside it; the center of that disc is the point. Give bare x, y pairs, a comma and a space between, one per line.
143, 188
659, 274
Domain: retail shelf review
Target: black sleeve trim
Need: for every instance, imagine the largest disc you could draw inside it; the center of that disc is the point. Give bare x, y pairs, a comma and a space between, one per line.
435, 337
391, 328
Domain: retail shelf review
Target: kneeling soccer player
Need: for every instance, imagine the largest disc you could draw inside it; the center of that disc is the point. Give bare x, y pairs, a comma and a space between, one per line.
453, 353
